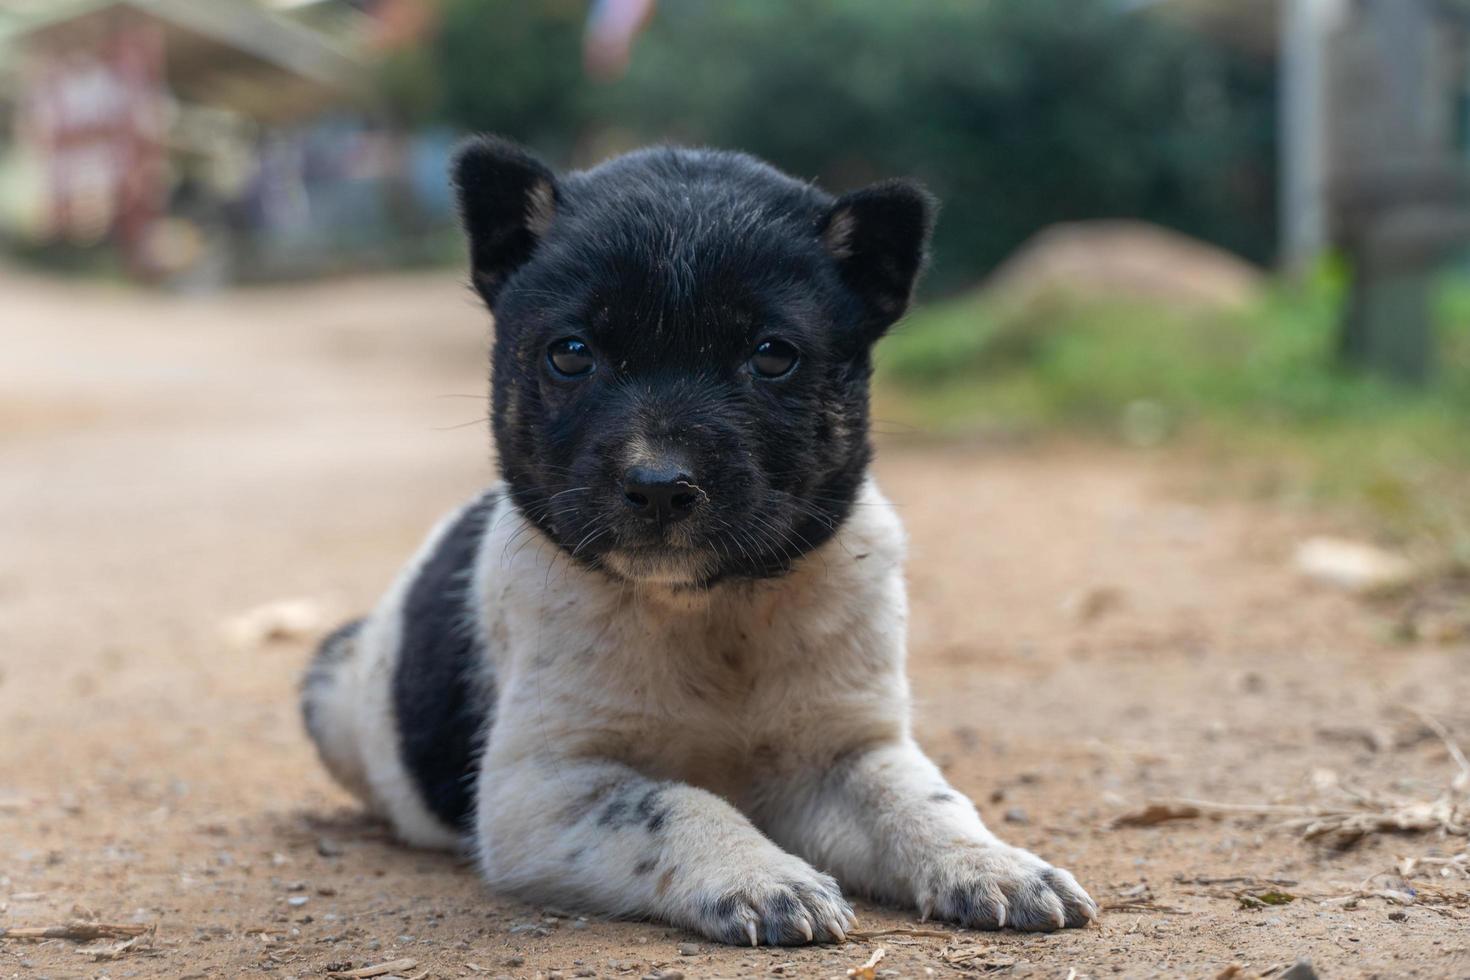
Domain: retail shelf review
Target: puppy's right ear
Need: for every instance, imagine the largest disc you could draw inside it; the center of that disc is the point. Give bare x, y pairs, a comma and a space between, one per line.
507, 201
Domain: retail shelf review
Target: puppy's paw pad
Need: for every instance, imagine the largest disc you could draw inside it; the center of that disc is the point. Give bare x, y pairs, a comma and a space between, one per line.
775, 907
997, 887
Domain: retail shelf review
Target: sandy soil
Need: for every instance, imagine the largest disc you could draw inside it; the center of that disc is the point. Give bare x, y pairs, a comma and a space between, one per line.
1091, 632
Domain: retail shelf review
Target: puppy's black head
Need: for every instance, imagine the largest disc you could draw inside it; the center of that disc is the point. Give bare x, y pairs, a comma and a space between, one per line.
682, 350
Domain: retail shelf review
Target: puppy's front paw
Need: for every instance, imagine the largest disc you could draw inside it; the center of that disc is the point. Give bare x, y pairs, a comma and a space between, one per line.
785, 902
993, 886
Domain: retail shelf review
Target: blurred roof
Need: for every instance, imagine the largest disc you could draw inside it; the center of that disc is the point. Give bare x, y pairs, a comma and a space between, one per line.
227, 53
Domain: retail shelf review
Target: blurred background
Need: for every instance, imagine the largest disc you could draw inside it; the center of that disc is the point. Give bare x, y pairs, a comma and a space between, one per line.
1161, 217
1180, 430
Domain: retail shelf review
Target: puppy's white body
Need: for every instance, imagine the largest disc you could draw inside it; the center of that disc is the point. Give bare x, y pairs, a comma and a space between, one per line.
710, 757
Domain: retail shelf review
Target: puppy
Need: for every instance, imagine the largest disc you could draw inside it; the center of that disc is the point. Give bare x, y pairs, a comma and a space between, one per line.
658, 671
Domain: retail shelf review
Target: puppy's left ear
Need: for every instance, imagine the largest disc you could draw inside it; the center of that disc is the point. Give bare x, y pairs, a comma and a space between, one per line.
879, 237
507, 201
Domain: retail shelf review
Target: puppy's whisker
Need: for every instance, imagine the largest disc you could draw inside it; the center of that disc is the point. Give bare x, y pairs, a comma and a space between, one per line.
461, 425
591, 536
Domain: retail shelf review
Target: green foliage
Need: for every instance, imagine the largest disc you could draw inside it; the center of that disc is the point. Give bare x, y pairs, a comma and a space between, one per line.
513, 68
1017, 114
1262, 381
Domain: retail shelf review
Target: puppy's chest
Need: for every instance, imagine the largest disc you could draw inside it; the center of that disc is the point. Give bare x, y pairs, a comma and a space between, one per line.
705, 699
687, 671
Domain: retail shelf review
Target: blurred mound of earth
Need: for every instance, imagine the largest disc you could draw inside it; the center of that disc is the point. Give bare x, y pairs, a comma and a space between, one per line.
1131, 260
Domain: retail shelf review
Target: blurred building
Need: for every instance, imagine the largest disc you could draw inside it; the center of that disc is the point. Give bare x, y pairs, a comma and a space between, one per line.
1375, 145
202, 139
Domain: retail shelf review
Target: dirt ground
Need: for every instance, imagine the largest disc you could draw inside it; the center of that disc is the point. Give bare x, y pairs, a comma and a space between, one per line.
1093, 630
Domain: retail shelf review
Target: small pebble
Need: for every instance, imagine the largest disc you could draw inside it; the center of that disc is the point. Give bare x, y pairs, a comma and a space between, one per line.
1300, 970
533, 928
298, 900
1398, 915
688, 949
1016, 815
515, 961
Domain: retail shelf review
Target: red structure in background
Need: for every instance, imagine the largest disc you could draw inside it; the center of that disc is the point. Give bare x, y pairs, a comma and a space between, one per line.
399, 23
98, 115
612, 26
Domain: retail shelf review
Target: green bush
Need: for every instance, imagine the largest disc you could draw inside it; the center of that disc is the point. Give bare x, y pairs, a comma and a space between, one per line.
1262, 382
1017, 114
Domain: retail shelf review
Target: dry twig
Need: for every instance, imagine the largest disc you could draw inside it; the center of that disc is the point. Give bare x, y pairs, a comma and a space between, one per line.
1360, 815
1142, 905
377, 970
901, 931
1155, 814
77, 930
143, 941
1461, 782
869, 969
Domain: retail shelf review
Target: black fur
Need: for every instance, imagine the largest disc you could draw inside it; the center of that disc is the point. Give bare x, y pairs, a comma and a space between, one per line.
672, 265
502, 190
442, 714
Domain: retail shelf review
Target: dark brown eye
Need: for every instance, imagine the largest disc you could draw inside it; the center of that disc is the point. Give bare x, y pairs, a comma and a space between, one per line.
570, 358
774, 359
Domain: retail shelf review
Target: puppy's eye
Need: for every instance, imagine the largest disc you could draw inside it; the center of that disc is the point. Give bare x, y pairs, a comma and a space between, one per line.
774, 359
570, 358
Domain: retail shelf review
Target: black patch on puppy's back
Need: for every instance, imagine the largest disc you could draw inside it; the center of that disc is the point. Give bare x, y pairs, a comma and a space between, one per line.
441, 710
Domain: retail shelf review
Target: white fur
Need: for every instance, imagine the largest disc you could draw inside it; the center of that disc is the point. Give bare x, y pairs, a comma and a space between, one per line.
697, 756
334, 704
391, 788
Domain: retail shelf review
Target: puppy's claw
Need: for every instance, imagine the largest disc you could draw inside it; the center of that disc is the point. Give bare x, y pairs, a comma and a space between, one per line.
750, 931
836, 931
806, 927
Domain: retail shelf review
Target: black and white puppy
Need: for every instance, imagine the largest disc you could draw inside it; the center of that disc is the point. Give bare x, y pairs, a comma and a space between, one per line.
659, 670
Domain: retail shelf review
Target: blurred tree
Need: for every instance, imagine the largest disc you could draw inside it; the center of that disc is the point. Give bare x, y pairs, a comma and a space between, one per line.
1017, 114
514, 68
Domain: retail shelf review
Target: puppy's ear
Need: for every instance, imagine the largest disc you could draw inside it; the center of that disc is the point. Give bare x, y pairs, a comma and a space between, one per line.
507, 201
879, 237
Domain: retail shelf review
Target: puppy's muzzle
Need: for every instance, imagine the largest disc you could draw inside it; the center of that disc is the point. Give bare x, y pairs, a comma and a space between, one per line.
661, 493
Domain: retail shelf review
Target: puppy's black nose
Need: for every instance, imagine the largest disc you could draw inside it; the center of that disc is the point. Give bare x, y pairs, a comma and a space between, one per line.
660, 493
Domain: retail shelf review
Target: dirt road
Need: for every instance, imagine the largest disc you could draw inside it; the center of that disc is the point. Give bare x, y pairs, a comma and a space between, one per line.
1091, 632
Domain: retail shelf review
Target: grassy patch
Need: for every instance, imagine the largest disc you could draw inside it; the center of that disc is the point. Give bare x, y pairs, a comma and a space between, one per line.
1262, 383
